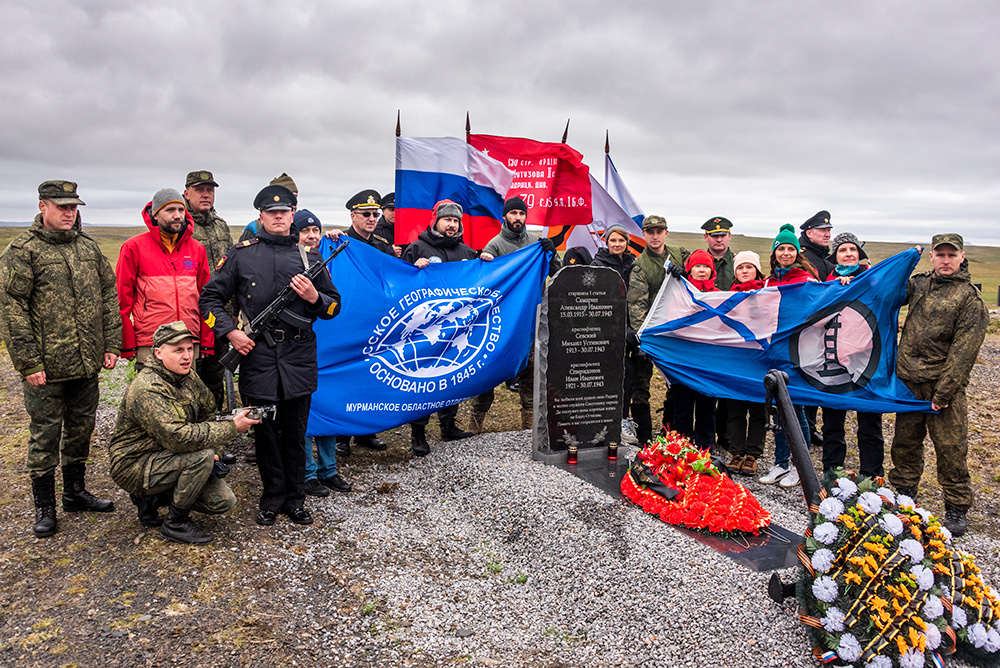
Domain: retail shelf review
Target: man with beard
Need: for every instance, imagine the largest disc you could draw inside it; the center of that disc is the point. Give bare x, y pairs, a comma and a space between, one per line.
514, 237
160, 276
440, 242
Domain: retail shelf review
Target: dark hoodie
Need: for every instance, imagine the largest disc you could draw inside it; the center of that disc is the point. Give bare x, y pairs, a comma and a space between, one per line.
432, 244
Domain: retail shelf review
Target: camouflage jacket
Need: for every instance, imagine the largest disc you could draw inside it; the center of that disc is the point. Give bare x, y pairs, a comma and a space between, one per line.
945, 326
59, 303
214, 235
641, 293
161, 411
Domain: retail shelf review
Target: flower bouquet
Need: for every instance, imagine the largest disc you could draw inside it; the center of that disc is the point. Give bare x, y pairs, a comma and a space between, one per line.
672, 478
883, 586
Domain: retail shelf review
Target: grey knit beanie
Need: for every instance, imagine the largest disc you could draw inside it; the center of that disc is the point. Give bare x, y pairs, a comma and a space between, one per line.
165, 197
449, 209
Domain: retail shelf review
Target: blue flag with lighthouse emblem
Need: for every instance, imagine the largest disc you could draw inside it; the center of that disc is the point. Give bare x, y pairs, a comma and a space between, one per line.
409, 341
837, 343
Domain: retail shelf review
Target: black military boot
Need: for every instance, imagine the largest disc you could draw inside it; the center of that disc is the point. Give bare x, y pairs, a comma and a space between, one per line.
452, 432
418, 440
955, 520
44, 490
907, 491
179, 528
147, 505
75, 497
343, 446
371, 441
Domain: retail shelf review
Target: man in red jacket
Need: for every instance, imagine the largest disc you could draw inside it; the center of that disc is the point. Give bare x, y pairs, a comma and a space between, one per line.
160, 275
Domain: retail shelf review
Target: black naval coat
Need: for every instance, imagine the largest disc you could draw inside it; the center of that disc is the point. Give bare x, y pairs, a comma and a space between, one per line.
376, 241
255, 271
817, 256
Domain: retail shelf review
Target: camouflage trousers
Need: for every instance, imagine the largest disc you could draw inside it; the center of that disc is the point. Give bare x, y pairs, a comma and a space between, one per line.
63, 415
949, 431
190, 476
526, 390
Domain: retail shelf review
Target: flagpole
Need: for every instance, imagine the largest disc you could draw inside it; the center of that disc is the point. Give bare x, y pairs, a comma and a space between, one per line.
468, 128
566, 131
607, 154
397, 123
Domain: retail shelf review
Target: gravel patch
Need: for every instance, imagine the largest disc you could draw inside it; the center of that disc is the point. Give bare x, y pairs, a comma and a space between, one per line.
479, 555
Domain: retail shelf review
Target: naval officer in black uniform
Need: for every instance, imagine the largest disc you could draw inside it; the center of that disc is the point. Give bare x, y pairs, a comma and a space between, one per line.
285, 373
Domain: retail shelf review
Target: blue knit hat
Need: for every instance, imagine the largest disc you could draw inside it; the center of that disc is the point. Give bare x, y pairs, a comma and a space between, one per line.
786, 235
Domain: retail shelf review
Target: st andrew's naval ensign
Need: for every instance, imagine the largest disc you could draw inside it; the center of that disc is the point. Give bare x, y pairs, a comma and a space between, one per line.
836, 343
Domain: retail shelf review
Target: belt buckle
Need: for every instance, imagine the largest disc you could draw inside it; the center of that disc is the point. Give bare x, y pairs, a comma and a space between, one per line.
278, 335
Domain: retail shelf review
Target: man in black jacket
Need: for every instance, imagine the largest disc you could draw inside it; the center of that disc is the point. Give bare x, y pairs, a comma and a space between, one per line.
440, 242
815, 240
280, 367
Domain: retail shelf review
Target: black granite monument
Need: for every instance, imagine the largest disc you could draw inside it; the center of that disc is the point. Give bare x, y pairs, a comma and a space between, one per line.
579, 364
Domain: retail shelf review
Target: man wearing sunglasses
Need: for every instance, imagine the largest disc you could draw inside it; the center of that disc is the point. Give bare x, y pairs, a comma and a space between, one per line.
365, 208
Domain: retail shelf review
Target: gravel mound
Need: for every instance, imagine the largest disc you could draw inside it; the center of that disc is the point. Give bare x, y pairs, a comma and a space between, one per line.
476, 554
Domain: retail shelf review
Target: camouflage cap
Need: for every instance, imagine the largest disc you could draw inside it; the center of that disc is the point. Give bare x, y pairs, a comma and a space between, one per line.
202, 176
285, 180
172, 332
951, 239
59, 192
650, 222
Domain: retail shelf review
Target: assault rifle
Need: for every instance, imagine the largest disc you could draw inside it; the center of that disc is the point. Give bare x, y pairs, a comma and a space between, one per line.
268, 318
253, 413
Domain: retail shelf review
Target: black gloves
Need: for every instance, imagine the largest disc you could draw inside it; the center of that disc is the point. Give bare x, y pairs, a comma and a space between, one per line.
547, 244
631, 338
675, 270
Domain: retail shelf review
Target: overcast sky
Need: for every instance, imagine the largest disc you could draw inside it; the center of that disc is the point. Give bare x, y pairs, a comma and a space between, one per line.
884, 113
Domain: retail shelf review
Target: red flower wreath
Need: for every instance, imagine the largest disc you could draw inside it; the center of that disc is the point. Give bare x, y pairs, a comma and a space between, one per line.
706, 499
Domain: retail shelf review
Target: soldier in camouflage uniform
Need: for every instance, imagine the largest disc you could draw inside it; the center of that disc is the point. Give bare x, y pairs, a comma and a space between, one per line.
944, 328
61, 325
213, 233
166, 440
644, 282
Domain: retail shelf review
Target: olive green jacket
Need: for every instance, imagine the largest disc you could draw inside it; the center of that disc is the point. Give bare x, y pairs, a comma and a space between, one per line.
161, 411
58, 304
213, 233
945, 326
641, 292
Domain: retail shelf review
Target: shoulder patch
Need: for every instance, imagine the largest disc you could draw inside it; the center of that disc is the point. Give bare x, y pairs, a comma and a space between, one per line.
19, 285
222, 261
248, 242
382, 239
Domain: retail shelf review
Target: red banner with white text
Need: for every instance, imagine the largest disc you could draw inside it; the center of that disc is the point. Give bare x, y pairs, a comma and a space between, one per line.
550, 177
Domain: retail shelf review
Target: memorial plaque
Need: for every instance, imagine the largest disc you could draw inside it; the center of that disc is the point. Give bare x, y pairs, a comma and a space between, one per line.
580, 363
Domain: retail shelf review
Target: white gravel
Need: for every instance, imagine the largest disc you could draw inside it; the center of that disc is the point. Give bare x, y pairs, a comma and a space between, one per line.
535, 567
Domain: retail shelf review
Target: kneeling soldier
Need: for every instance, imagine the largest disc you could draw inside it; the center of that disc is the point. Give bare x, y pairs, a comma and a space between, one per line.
166, 440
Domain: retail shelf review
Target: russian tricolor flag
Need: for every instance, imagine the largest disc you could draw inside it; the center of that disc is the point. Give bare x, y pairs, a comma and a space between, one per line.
430, 169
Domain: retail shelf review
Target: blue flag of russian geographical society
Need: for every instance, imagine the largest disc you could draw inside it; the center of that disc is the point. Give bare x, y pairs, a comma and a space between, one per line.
409, 341
836, 343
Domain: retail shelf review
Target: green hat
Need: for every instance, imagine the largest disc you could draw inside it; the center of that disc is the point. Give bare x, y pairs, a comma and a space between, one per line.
717, 226
950, 239
172, 332
59, 192
200, 177
651, 222
786, 235
285, 180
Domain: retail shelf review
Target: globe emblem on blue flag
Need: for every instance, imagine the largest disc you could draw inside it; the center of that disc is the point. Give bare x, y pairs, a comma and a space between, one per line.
436, 337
